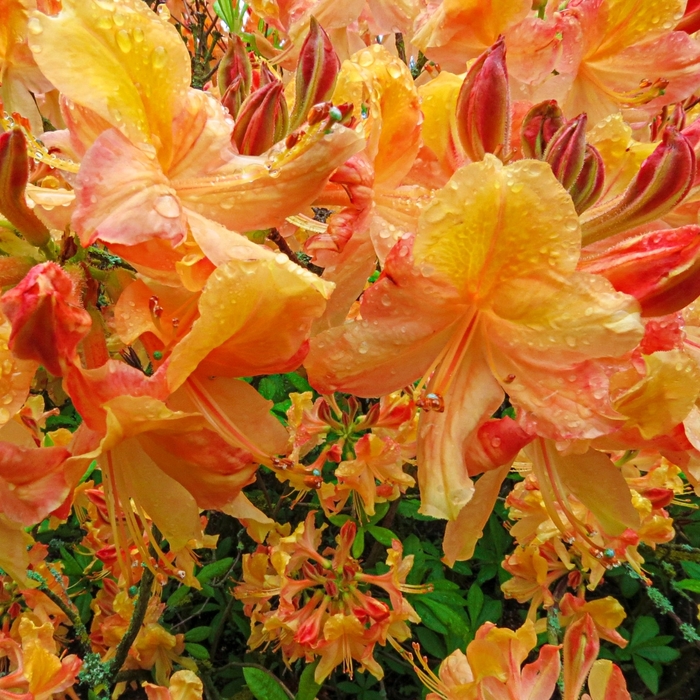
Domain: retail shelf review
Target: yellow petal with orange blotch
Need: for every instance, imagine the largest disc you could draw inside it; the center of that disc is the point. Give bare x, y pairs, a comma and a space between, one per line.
492, 223
119, 59
457, 30
255, 316
383, 84
664, 397
14, 558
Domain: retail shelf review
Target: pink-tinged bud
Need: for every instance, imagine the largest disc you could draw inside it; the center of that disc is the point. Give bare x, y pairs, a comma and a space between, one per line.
483, 105
581, 646
690, 22
235, 65
588, 187
661, 269
498, 442
317, 71
47, 318
662, 182
566, 150
538, 127
234, 97
262, 120
14, 175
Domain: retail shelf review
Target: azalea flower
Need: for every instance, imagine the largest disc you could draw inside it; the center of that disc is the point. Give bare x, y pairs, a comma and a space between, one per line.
484, 300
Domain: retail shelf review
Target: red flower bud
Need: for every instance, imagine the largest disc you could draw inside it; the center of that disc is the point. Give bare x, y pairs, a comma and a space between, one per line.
47, 319
14, 175
483, 105
661, 269
262, 120
235, 65
589, 184
317, 71
538, 127
662, 182
234, 97
566, 150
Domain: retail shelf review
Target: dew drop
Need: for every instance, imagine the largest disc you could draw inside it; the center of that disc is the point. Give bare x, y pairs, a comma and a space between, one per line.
166, 205
124, 41
138, 34
159, 56
34, 26
363, 348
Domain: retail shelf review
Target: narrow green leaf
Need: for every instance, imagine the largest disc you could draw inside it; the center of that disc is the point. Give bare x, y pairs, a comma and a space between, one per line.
689, 584
197, 634
262, 685
308, 688
214, 569
645, 628
197, 651
382, 534
358, 545
178, 596
663, 655
647, 673
475, 602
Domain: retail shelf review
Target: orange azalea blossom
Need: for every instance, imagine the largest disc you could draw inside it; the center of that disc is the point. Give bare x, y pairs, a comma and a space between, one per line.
35, 670
374, 476
183, 685
171, 140
325, 607
493, 668
582, 538
485, 299
607, 55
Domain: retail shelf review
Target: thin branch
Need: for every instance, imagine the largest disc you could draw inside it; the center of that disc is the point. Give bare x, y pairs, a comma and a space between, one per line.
144, 596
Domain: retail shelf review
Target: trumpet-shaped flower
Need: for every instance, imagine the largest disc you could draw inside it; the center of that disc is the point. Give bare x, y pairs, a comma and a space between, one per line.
485, 300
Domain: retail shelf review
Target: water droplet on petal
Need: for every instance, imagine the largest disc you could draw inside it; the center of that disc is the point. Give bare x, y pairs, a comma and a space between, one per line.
34, 26
124, 40
166, 205
159, 56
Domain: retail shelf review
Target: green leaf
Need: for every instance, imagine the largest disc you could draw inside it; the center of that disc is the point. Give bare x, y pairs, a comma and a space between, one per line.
662, 654
358, 545
308, 688
382, 534
691, 568
431, 642
689, 584
214, 569
648, 674
475, 602
429, 618
197, 634
448, 616
408, 508
645, 628
178, 596
197, 651
262, 685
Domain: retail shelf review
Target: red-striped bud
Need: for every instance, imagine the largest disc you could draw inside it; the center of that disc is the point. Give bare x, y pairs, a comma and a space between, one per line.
262, 120
662, 182
317, 71
589, 184
538, 127
483, 105
661, 269
235, 65
234, 97
14, 175
566, 150
48, 320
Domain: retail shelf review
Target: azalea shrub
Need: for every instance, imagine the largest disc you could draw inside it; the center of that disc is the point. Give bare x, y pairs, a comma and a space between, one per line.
349, 349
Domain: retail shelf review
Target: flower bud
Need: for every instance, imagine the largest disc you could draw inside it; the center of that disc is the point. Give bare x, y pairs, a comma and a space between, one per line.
661, 269
483, 105
566, 150
663, 181
538, 127
235, 65
234, 97
262, 120
47, 318
589, 184
14, 175
317, 71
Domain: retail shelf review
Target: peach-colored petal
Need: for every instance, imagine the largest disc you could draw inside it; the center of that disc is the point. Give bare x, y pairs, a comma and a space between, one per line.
120, 60
462, 534
123, 197
254, 318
